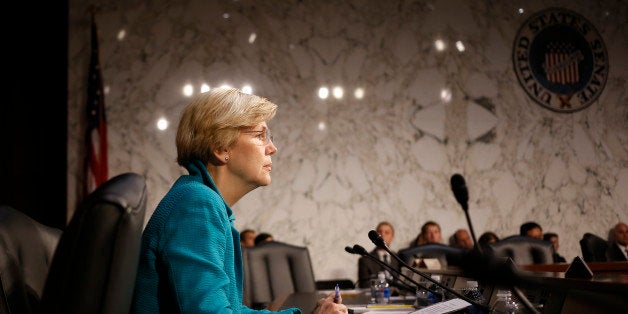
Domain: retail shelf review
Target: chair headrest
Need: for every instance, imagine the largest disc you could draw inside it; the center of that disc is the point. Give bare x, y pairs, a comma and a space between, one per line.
524, 250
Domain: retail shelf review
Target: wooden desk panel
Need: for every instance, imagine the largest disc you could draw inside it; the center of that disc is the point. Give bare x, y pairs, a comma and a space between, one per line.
596, 267
545, 285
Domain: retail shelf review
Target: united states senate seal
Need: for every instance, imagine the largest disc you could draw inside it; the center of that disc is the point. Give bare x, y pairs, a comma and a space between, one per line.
560, 60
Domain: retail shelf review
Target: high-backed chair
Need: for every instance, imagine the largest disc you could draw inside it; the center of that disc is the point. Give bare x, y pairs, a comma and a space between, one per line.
593, 248
26, 249
274, 269
447, 255
94, 266
523, 250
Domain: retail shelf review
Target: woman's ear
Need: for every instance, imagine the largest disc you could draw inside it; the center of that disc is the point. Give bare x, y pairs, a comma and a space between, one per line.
222, 155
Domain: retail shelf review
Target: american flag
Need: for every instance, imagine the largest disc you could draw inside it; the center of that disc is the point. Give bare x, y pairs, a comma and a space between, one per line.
96, 170
561, 63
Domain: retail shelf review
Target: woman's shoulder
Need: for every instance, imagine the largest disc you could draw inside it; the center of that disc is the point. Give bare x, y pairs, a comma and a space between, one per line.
187, 196
190, 184
191, 194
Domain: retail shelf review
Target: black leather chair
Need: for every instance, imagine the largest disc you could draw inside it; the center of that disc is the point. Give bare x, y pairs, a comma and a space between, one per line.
26, 249
447, 255
523, 250
95, 264
274, 269
593, 248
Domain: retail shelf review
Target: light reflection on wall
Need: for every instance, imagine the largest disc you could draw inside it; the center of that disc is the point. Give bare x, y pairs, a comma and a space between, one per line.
460, 46
188, 90
445, 95
121, 35
440, 45
323, 93
162, 124
359, 93
338, 92
322, 126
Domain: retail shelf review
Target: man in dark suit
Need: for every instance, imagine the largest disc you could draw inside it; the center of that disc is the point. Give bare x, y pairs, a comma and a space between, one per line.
618, 244
553, 237
531, 229
367, 268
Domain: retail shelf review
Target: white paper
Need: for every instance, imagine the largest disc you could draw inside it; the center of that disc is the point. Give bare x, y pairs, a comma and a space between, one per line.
444, 307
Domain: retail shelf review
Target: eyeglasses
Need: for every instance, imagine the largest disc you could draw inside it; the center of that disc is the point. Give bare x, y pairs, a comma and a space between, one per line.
263, 135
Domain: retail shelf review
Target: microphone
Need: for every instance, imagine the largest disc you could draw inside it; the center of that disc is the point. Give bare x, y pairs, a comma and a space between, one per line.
357, 249
350, 250
459, 187
377, 239
397, 282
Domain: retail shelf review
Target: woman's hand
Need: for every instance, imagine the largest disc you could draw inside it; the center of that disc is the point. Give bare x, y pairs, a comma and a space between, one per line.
327, 305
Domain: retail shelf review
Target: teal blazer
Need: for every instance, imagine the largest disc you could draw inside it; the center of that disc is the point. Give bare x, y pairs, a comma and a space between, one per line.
190, 260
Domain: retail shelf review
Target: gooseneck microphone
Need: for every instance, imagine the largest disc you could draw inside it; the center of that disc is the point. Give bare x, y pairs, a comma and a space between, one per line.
357, 249
459, 187
377, 239
461, 193
350, 250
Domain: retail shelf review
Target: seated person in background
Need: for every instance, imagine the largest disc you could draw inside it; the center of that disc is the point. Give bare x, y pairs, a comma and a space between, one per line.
462, 239
531, 229
431, 253
423, 237
247, 238
618, 244
431, 232
553, 237
368, 268
263, 237
487, 238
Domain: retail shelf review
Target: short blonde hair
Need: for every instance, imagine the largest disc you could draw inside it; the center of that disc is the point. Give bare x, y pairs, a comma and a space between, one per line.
213, 120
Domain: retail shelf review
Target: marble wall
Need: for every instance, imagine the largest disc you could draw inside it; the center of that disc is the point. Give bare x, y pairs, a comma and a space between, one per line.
438, 96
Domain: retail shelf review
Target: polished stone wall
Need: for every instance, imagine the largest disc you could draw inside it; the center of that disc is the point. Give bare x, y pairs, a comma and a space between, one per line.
428, 90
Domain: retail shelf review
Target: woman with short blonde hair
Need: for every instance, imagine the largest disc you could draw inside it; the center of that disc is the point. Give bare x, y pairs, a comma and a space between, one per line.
191, 258
212, 121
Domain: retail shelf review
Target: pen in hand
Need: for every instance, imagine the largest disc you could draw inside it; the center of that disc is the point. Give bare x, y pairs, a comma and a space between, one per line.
337, 294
